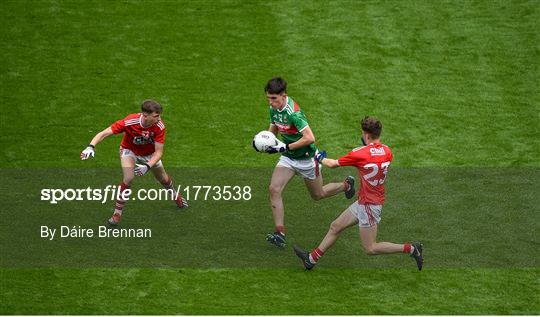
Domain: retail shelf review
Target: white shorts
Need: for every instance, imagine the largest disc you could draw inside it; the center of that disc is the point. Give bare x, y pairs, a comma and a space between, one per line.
308, 168
368, 215
138, 159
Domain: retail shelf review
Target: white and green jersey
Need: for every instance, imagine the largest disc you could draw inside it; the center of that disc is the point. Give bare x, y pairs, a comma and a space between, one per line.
290, 121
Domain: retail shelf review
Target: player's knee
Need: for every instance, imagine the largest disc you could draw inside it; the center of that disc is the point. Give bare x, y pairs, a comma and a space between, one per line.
369, 249
335, 227
317, 196
275, 190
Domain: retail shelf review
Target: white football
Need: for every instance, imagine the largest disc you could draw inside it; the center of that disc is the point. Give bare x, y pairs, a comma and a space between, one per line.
263, 140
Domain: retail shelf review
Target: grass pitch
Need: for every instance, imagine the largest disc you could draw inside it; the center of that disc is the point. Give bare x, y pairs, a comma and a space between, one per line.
454, 83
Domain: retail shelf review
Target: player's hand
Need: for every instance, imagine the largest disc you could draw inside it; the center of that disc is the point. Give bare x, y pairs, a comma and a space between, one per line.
87, 153
141, 169
280, 147
320, 156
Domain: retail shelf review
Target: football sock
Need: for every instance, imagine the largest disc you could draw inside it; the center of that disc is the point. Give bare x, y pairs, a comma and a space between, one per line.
315, 255
408, 248
120, 202
168, 184
281, 230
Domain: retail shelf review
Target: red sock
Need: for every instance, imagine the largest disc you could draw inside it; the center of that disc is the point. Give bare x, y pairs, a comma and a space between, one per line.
168, 184
280, 229
119, 205
315, 255
407, 248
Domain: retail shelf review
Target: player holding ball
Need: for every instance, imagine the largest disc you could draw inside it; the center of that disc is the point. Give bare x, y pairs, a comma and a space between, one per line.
297, 156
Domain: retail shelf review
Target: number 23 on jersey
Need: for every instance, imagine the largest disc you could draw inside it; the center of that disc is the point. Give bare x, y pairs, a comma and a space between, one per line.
376, 175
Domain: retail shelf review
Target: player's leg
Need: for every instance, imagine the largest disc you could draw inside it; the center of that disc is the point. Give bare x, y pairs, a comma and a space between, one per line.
310, 169
128, 166
318, 191
369, 219
280, 177
368, 235
127, 161
342, 222
165, 179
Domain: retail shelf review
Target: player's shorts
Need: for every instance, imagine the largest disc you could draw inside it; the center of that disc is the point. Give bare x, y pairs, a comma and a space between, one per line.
138, 159
308, 168
368, 215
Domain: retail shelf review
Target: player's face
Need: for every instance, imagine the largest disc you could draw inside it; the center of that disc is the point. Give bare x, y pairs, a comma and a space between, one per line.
276, 101
151, 118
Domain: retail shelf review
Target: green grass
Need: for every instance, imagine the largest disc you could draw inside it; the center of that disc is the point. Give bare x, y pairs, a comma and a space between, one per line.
456, 85
270, 291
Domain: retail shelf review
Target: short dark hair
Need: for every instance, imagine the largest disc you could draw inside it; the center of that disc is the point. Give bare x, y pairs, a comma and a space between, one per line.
276, 85
151, 106
372, 126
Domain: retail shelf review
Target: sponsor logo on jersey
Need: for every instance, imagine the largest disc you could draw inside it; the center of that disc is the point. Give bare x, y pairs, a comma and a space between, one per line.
147, 137
377, 151
286, 128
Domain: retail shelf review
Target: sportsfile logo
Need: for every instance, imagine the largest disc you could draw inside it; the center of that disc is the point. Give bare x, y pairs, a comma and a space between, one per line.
113, 193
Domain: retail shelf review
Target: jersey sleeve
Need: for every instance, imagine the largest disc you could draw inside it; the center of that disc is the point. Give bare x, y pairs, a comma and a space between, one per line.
353, 158
160, 137
119, 126
299, 121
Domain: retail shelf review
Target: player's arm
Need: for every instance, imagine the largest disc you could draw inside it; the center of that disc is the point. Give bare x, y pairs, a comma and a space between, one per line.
307, 138
142, 169
328, 162
156, 156
89, 151
273, 128
101, 135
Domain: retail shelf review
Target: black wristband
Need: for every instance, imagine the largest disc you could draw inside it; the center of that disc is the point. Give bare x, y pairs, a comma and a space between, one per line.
92, 146
147, 165
287, 147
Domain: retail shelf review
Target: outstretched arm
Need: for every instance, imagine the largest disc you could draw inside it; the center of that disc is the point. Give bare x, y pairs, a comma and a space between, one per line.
101, 135
89, 151
328, 162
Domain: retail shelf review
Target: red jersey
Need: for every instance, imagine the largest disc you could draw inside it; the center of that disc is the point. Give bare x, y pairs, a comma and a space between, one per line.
136, 138
372, 162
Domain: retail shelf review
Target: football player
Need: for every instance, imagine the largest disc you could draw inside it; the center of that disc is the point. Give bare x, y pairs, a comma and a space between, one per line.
372, 162
140, 152
297, 156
